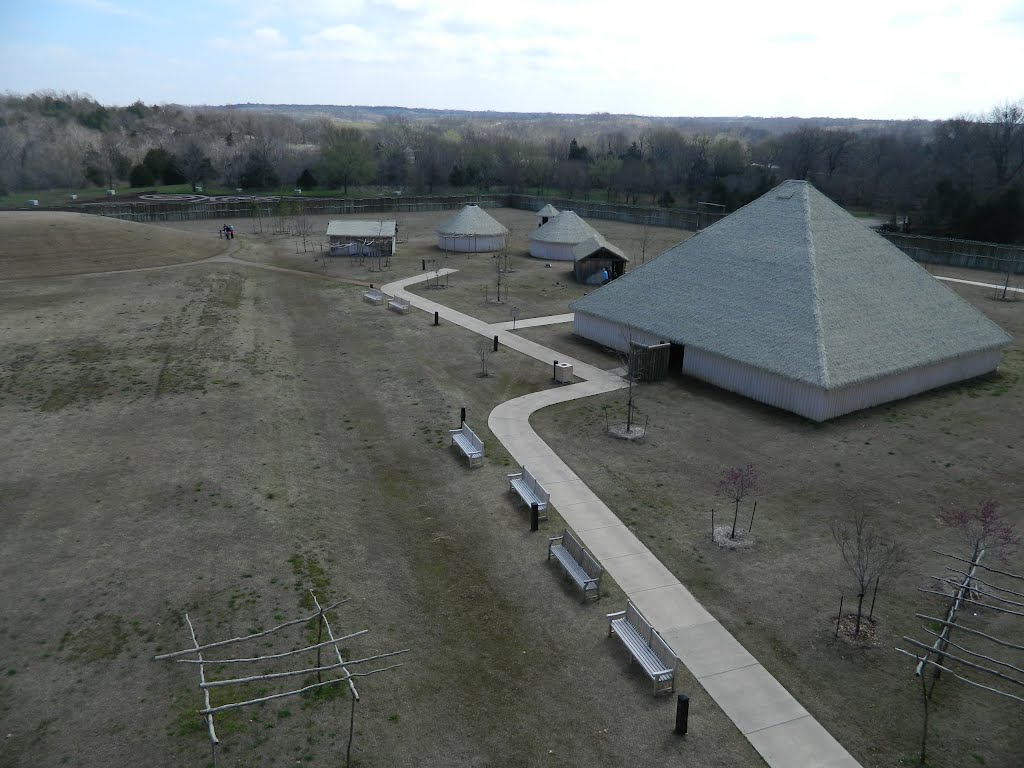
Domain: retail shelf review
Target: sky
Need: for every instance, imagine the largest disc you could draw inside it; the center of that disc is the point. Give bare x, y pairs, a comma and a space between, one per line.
881, 59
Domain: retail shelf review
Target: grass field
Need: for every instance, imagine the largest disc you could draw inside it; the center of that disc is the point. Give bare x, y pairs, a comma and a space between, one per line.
216, 438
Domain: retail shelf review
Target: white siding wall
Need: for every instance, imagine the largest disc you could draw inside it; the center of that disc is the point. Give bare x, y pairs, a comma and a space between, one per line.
471, 243
819, 404
798, 397
847, 399
551, 251
755, 383
609, 334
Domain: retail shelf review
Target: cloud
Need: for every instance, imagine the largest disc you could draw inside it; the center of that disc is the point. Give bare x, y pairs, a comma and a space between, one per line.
261, 40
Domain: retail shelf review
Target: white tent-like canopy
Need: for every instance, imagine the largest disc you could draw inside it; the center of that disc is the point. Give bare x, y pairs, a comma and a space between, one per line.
793, 302
472, 230
557, 239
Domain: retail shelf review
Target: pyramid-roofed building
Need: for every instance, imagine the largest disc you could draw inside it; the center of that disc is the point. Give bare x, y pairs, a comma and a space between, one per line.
556, 239
472, 230
794, 303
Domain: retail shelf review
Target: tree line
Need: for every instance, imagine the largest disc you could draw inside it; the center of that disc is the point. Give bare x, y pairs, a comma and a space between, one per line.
961, 177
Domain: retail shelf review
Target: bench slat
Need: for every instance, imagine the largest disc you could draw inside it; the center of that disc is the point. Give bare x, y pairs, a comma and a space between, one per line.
470, 445
568, 554
646, 646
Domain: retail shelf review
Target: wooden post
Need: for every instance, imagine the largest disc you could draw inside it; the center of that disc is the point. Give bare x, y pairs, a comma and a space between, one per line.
534, 516
682, 714
752, 513
712, 523
871, 613
840, 616
319, 637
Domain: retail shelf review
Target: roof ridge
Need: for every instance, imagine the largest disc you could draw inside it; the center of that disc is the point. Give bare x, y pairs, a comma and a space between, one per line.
819, 326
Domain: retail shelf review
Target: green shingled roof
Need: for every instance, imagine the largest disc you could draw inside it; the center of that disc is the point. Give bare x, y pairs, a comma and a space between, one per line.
793, 284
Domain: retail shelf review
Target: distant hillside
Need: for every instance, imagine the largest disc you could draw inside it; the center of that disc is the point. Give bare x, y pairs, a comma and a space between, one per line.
746, 126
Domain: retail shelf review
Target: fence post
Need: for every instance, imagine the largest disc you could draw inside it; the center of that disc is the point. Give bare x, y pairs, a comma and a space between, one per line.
682, 714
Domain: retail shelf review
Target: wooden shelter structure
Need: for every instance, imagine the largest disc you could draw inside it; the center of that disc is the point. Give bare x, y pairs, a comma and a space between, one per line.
595, 255
349, 237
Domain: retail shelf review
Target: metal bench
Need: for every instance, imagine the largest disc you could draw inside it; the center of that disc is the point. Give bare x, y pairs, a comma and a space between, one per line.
373, 296
398, 305
646, 646
467, 442
529, 489
578, 564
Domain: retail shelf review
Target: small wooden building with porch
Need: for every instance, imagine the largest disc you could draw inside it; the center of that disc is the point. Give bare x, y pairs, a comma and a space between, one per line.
595, 255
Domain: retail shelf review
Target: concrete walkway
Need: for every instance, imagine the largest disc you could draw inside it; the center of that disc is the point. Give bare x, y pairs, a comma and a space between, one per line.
980, 285
781, 730
533, 322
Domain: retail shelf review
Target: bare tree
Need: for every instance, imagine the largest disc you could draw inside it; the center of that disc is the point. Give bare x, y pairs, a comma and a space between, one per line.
1002, 674
644, 240
735, 484
484, 349
303, 224
866, 554
1003, 132
982, 529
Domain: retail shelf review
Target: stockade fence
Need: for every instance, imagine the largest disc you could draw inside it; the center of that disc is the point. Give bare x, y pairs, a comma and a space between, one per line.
156, 211
675, 218
970, 254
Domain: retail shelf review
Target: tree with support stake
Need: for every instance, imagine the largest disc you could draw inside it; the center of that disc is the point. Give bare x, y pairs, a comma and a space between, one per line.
736, 484
868, 557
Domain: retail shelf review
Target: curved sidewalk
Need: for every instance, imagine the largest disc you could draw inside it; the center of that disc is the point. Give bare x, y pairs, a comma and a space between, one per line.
775, 723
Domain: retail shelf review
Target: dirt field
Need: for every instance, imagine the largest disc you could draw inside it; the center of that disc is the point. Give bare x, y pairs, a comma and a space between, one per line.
46, 243
535, 286
216, 438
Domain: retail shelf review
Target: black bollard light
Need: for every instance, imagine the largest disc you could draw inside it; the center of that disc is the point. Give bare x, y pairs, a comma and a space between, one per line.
495, 343
534, 517
462, 418
435, 318
682, 713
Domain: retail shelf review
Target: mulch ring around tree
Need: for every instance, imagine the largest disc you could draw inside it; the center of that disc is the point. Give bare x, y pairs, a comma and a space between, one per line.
743, 540
868, 637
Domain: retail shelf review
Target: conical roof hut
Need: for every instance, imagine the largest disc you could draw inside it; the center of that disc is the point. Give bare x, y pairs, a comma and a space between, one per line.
556, 239
471, 230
